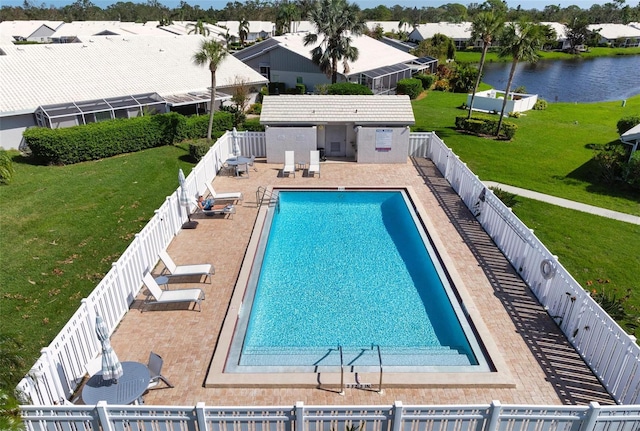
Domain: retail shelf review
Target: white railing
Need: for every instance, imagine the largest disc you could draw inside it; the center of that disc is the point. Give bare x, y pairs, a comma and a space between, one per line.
396, 417
59, 370
608, 350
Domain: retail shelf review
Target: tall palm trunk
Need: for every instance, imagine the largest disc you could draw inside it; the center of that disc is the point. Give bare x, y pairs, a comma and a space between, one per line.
485, 48
506, 93
212, 109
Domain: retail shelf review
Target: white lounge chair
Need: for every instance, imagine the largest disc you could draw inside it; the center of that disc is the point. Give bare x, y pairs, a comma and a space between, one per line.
289, 163
173, 270
229, 196
216, 209
169, 296
314, 163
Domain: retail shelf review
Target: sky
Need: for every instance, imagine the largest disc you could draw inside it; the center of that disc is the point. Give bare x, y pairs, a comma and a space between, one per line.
364, 4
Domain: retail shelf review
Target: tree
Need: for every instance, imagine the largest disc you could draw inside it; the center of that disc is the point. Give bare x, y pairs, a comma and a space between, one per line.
211, 54
577, 33
243, 30
520, 41
335, 22
287, 13
198, 27
485, 27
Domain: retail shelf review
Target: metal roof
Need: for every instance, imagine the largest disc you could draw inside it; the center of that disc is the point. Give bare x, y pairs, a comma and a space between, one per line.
322, 109
35, 75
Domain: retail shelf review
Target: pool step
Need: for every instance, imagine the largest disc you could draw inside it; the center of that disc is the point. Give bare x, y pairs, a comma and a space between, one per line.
330, 357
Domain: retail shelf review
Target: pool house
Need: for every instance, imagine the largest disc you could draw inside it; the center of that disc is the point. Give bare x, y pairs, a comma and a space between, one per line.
559, 361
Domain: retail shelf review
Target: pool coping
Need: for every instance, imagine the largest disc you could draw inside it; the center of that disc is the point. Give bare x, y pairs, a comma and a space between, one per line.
500, 377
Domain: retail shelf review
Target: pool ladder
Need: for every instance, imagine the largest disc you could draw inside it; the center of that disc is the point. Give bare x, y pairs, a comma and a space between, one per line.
358, 384
272, 196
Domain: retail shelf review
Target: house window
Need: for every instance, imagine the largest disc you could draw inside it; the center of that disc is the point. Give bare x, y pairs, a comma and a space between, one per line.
265, 70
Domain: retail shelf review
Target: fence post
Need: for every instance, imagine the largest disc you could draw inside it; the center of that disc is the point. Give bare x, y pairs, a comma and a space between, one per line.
298, 412
201, 417
60, 393
397, 416
103, 416
494, 415
591, 416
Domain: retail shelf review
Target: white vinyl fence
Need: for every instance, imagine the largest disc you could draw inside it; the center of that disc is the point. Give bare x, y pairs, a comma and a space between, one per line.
396, 417
608, 350
61, 367
612, 354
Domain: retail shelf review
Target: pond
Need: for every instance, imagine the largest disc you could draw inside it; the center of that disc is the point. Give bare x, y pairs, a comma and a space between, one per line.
579, 80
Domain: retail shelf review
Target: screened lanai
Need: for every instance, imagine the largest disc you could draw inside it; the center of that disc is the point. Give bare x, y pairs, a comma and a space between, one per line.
384, 80
92, 111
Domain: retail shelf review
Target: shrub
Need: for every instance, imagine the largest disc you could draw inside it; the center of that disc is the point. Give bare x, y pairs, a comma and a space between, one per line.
463, 79
6, 167
301, 89
255, 109
426, 79
509, 199
631, 172
252, 125
540, 105
198, 148
627, 123
412, 87
441, 85
611, 160
349, 88
486, 126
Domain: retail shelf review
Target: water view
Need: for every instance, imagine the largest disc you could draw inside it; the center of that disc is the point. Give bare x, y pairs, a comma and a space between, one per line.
580, 80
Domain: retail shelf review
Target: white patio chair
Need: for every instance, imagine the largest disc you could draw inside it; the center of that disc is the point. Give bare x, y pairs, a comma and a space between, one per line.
289, 163
169, 296
314, 163
155, 370
173, 270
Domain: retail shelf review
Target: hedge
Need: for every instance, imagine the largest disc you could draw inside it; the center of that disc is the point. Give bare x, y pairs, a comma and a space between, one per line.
412, 87
486, 126
426, 79
349, 88
109, 138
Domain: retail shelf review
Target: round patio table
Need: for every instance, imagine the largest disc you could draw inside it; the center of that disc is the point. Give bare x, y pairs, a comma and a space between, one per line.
126, 390
240, 160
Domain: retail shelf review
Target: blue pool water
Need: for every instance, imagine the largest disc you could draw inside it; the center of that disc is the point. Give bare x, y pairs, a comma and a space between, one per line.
351, 269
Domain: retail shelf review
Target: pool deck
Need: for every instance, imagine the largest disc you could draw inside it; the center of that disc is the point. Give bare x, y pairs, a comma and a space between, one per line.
541, 365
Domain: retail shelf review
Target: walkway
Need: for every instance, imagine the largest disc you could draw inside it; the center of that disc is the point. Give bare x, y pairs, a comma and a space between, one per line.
566, 203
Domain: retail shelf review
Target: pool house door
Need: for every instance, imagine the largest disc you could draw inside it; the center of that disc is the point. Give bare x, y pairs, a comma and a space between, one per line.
335, 140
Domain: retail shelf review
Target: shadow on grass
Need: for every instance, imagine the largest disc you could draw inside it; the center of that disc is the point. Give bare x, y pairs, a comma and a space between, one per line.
27, 160
571, 378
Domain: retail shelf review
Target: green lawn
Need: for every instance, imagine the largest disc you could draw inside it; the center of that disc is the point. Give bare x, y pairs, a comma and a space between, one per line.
63, 226
492, 56
550, 153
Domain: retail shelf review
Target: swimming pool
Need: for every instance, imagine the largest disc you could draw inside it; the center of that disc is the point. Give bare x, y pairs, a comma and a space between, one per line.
350, 276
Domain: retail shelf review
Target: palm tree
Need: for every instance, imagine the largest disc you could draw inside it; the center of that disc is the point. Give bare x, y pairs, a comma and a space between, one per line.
485, 27
243, 30
335, 21
520, 41
211, 54
198, 27
287, 13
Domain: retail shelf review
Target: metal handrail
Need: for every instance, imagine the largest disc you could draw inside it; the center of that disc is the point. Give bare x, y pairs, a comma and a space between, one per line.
380, 391
266, 192
341, 371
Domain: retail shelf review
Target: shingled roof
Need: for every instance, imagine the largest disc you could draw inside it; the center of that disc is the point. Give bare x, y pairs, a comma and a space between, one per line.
320, 109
